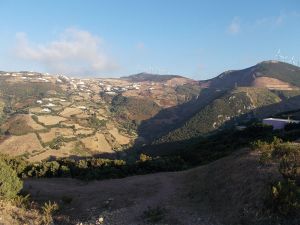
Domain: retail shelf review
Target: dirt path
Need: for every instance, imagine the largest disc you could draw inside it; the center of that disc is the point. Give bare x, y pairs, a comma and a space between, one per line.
220, 191
119, 201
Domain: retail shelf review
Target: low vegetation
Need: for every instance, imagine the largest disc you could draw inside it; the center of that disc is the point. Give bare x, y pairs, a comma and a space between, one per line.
283, 199
95, 168
16, 208
221, 113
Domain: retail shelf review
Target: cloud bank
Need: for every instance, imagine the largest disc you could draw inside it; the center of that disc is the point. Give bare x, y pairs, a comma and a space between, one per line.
75, 52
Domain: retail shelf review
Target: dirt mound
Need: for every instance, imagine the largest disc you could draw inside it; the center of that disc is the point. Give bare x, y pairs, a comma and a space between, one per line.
228, 191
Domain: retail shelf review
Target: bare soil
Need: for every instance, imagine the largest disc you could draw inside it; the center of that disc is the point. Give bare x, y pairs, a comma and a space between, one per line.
228, 191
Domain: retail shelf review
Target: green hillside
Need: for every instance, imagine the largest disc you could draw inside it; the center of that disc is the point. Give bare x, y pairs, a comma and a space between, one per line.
221, 110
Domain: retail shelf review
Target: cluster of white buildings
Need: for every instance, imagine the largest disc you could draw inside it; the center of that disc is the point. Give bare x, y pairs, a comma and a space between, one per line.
113, 90
29, 76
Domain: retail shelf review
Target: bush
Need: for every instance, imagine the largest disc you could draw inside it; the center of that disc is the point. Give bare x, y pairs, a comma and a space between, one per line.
10, 184
48, 209
289, 160
285, 198
57, 142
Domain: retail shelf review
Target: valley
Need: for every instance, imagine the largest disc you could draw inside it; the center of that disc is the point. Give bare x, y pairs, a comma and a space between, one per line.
73, 117
152, 149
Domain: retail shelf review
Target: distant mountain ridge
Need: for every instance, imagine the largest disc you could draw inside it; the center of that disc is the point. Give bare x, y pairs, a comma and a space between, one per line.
141, 77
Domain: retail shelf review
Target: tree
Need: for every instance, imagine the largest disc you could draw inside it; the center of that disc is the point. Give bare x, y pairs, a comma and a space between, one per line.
10, 184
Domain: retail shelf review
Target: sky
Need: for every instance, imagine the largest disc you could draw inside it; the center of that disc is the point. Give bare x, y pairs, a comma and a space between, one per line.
111, 38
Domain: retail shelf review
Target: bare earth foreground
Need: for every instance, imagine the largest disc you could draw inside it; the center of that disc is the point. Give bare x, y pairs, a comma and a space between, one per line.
228, 191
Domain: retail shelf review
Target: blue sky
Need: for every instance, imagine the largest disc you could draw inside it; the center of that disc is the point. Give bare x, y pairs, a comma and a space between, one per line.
195, 38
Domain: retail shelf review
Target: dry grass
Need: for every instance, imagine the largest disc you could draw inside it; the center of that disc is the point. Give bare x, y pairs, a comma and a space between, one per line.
121, 139
36, 110
70, 111
13, 215
55, 132
228, 191
50, 120
18, 145
85, 131
67, 150
97, 143
21, 124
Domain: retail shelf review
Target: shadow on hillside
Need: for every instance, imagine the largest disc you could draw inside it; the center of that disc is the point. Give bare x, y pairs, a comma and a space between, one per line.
179, 147
171, 118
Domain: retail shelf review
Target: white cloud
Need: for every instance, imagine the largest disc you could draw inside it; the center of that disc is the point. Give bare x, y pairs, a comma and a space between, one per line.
235, 26
277, 21
75, 52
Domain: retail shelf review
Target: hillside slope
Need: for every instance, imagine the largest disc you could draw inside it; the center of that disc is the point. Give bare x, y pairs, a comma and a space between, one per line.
223, 109
141, 77
271, 74
228, 191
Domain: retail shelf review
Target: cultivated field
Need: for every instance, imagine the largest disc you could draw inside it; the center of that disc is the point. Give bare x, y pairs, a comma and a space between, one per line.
56, 132
50, 120
70, 111
97, 143
21, 124
18, 145
121, 139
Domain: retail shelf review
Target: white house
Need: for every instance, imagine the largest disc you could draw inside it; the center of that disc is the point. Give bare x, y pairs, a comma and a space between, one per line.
50, 105
278, 123
46, 110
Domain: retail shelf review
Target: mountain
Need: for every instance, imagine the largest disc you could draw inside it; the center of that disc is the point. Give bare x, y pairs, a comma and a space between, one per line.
73, 114
142, 77
269, 74
90, 129
253, 93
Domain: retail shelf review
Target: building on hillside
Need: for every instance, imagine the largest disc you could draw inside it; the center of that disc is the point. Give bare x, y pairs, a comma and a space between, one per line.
46, 110
278, 123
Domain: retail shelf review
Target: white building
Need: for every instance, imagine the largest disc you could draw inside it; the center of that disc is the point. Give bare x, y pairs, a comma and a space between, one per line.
46, 110
278, 123
50, 105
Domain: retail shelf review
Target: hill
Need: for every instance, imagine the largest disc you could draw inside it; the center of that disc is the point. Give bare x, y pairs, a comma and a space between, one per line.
223, 109
141, 77
228, 191
270, 74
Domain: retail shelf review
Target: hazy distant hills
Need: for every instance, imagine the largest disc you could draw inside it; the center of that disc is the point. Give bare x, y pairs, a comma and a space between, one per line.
141, 77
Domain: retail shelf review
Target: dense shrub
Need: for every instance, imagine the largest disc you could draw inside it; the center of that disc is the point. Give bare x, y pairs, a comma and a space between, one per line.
10, 184
98, 168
